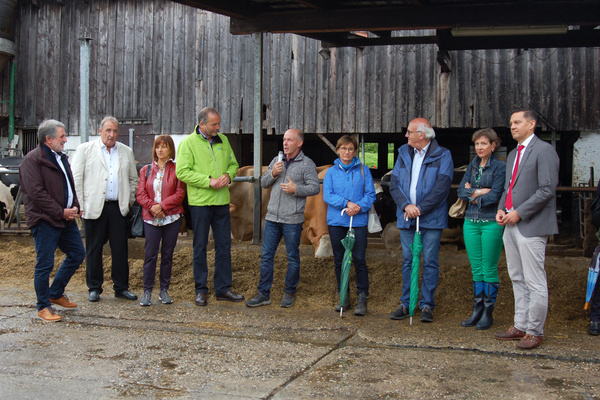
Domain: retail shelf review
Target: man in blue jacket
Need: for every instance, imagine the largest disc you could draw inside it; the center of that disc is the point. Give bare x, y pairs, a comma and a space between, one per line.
420, 184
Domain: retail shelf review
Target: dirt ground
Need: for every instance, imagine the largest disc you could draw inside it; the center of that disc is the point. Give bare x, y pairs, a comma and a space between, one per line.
567, 274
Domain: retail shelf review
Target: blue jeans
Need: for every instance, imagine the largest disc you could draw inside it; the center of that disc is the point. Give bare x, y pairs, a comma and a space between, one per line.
431, 266
47, 238
359, 257
203, 218
272, 235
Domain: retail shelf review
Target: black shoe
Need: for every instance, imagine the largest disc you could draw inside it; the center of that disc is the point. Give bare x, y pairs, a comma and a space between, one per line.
126, 294
594, 329
426, 314
94, 296
230, 296
258, 300
401, 313
201, 299
288, 300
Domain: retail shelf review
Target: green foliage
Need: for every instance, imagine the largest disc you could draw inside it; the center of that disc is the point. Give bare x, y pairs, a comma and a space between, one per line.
371, 155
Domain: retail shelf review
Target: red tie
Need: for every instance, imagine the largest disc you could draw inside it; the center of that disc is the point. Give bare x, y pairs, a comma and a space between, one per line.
509, 202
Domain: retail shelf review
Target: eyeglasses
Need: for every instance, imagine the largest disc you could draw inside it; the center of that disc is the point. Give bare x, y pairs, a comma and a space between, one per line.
346, 149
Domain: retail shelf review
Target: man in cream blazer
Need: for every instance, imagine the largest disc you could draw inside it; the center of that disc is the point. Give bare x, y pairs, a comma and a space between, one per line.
105, 181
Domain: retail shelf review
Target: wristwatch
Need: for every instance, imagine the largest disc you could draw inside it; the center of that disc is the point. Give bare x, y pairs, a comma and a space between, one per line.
479, 192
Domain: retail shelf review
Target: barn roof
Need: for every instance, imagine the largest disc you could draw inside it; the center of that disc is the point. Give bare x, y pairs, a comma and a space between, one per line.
457, 24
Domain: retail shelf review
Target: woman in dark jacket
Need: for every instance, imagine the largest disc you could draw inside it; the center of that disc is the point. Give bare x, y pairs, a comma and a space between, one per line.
160, 194
482, 187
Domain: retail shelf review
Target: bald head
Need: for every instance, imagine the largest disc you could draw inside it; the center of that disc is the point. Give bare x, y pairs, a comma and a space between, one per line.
293, 139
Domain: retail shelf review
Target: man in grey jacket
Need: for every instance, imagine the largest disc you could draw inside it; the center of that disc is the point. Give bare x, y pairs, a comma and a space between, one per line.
527, 210
292, 180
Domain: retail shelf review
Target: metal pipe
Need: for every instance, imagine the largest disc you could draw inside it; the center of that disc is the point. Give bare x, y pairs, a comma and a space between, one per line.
258, 67
131, 138
84, 88
11, 105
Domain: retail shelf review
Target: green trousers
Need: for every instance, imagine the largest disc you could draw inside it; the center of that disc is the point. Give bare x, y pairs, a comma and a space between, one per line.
483, 241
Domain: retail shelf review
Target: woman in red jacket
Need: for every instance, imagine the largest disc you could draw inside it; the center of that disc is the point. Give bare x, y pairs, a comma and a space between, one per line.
160, 194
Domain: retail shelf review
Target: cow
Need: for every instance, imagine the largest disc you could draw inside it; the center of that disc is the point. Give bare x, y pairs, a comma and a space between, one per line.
241, 205
242, 216
9, 184
315, 229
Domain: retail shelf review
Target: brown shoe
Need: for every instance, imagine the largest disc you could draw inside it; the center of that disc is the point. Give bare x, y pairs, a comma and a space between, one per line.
63, 302
530, 342
48, 315
511, 334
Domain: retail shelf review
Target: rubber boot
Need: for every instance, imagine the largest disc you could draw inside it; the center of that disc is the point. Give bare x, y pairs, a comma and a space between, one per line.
489, 299
361, 307
478, 291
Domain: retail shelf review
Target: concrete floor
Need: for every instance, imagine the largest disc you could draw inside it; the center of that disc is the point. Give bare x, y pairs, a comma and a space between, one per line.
115, 349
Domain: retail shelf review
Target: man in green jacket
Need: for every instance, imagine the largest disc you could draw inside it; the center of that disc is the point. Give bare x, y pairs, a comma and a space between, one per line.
206, 163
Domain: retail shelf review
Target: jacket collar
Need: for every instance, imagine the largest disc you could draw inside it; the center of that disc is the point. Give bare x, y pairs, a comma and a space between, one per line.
216, 139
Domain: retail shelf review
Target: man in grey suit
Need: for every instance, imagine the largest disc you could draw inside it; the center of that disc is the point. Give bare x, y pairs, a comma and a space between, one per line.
528, 213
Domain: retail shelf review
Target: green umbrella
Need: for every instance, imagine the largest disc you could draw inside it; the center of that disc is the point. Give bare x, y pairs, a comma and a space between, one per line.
348, 243
416, 247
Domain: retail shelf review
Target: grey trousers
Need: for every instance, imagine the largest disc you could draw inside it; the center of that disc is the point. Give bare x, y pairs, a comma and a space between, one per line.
525, 258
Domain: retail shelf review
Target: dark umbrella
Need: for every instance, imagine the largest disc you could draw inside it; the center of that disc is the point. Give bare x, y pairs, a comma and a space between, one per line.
592, 277
348, 243
415, 247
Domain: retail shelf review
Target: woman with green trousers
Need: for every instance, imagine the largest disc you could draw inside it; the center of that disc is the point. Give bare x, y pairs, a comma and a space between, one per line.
481, 188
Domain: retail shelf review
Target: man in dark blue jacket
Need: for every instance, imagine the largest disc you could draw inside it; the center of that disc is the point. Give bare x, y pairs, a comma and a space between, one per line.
420, 184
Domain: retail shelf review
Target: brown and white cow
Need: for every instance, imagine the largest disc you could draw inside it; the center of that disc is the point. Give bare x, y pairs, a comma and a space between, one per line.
315, 230
241, 205
242, 217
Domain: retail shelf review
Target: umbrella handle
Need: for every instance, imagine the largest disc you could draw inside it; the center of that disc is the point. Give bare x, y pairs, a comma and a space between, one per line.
342, 213
417, 223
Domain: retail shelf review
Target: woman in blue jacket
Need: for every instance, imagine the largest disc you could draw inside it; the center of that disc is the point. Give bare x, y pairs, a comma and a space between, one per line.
349, 185
482, 187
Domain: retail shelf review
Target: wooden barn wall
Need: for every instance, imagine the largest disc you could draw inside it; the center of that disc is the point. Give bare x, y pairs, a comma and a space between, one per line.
159, 62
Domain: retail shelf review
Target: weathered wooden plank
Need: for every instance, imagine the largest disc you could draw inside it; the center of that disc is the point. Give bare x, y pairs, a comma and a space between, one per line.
157, 61
323, 72
178, 56
285, 84
188, 119
117, 35
166, 109
311, 52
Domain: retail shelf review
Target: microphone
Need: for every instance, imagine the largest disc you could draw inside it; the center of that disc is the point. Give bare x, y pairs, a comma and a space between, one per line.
280, 156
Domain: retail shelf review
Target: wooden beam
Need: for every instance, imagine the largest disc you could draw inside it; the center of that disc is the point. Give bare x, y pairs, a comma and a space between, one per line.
230, 8
315, 4
586, 38
405, 17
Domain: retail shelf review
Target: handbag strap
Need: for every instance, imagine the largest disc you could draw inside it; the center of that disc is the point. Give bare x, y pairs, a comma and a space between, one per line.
362, 171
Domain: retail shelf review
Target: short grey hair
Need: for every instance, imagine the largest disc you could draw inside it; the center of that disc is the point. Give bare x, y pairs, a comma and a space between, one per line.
48, 129
108, 118
427, 130
204, 113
